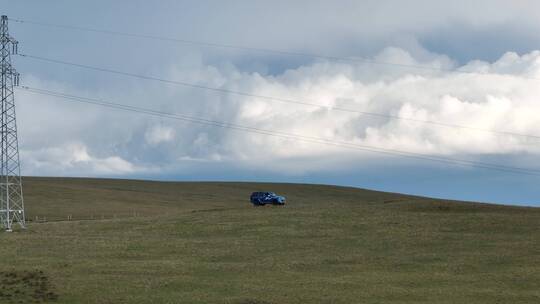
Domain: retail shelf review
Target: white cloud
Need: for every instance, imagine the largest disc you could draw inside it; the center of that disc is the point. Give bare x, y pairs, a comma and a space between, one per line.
73, 159
491, 102
500, 98
159, 134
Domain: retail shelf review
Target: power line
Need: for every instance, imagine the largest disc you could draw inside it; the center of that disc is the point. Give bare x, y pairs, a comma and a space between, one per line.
239, 47
269, 98
256, 49
285, 135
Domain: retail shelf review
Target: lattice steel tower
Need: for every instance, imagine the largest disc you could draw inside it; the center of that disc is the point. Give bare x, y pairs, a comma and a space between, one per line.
11, 196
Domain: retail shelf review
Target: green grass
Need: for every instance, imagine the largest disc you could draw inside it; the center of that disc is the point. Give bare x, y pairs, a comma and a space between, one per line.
204, 243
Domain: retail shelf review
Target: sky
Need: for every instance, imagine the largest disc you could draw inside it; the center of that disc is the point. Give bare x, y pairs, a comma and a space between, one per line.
495, 42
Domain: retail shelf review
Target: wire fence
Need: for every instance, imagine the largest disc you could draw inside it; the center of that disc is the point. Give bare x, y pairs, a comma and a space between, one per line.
81, 217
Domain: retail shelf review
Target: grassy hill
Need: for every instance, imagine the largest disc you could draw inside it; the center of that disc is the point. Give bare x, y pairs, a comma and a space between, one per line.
155, 242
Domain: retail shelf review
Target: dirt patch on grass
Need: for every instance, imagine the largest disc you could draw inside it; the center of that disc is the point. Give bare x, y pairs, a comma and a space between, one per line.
26, 287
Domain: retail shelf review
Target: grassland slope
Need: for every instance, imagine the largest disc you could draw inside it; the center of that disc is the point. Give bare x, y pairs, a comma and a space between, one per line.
156, 242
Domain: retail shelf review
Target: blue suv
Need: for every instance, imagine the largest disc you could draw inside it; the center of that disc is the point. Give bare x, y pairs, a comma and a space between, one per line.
263, 198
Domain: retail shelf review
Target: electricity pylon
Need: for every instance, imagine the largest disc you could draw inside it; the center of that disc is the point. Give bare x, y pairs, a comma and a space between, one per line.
11, 196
